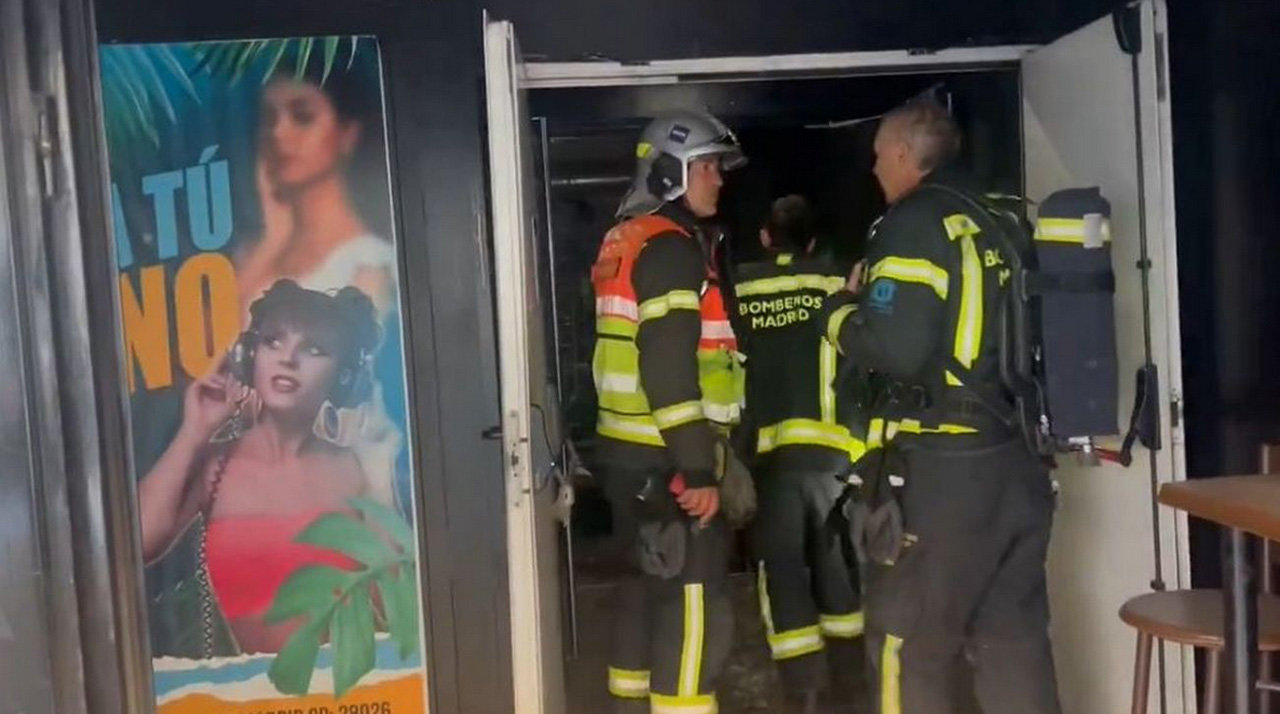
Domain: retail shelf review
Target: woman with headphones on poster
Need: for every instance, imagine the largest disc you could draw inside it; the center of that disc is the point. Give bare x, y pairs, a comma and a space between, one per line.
264, 449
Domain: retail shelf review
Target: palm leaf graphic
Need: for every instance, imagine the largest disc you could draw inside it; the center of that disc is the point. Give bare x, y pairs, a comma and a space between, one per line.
237, 58
141, 84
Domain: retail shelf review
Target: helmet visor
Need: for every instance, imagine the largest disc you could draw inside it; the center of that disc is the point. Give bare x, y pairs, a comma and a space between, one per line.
726, 147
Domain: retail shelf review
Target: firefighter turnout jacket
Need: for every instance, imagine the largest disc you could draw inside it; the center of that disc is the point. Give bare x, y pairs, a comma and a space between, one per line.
974, 507
667, 370
920, 321
791, 391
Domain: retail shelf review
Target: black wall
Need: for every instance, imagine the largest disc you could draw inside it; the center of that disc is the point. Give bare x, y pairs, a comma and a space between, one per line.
629, 30
648, 29
1226, 71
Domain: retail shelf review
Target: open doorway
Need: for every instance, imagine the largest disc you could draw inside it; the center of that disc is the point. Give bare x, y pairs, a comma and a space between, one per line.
806, 135
1080, 111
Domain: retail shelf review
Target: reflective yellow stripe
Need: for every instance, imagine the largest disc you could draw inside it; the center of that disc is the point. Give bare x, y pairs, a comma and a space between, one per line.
826, 381
617, 382
913, 426
959, 225
691, 650
637, 429
875, 433
880, 432
836, 321
677, 414
786, 259
784, 645
628, 684
700, 704
968, 337
969, 327
891, 676
805, 432
655, 308
1067, 230
766, 607
789, 283
911, 270
795, 643
644, 429
617, 306
842, 626
726, 414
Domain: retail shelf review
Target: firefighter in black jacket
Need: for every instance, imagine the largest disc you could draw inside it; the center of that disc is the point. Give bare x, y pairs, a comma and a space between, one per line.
965, 576
809, 596
669, 383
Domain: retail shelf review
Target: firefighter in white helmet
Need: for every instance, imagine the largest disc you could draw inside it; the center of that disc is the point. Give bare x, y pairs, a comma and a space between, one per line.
670, 385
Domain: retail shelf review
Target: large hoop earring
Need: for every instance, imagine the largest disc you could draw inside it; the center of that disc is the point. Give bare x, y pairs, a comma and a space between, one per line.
329, 425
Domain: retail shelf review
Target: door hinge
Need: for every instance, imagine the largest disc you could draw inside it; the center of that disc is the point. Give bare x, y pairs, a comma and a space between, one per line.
1162, 68
1175, 410
1126, 20
46, 145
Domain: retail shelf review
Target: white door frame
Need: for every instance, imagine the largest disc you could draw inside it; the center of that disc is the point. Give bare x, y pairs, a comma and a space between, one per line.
506, 174
555, 75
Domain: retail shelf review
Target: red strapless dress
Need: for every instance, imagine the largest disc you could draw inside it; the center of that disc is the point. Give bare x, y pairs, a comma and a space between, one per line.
250, 557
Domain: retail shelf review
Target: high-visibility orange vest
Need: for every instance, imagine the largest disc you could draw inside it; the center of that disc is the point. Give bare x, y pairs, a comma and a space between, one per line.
624, 411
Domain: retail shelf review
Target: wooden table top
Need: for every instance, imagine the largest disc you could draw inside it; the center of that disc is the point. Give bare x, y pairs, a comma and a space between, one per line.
1249, 503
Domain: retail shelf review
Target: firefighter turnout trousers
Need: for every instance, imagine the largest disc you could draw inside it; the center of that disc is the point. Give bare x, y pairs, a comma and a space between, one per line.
808, 586
970, 584
672, 635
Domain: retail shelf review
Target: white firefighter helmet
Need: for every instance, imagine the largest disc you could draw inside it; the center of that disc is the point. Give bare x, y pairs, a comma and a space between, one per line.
666, 147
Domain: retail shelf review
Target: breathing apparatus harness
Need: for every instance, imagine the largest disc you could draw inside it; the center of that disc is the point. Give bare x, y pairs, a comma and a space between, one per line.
1058, 385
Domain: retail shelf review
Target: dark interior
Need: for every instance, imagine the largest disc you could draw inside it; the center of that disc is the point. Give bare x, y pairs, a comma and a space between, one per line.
811, 136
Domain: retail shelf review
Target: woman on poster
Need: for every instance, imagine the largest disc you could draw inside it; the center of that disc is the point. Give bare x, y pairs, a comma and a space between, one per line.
312, 129
263, 451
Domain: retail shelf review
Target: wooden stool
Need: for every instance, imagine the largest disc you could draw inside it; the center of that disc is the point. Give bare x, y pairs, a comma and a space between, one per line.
1193, 618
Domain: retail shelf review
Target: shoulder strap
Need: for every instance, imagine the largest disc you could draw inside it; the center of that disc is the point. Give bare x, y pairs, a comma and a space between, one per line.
992, 400
1016, 371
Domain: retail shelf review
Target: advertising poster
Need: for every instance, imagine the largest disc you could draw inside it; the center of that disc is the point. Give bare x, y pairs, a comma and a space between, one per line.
262, 344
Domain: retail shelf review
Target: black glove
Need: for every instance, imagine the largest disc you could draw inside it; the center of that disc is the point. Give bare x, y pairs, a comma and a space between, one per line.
737, 490
876, 524
663, 547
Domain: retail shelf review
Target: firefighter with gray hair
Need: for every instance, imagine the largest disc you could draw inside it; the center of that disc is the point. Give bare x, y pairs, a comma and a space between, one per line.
955, 506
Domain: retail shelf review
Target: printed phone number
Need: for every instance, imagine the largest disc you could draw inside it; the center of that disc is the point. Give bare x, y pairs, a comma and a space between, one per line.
363, 708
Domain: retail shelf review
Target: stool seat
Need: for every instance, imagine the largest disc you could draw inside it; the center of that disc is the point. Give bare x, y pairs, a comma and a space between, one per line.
1196, 618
